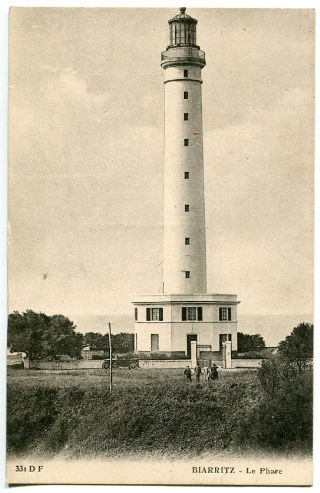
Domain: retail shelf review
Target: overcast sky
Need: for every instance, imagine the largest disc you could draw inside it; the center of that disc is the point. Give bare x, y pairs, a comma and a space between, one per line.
86, 157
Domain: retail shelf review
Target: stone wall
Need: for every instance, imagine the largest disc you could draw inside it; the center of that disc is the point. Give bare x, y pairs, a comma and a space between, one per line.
143, 363
64, 365
246, 363
164, 363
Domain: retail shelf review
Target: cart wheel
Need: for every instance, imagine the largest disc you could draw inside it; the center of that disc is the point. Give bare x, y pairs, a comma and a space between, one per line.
106, 365
133, 365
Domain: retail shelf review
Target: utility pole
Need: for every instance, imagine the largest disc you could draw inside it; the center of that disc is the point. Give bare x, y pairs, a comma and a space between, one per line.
110, 356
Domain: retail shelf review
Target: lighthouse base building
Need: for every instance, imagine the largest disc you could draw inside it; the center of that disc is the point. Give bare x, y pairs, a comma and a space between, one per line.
168, 323
184, 312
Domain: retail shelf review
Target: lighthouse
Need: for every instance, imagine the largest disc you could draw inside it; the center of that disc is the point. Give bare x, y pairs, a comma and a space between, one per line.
184, 254
184, 312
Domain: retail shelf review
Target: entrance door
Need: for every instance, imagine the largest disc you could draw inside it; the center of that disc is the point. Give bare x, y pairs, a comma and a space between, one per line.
190, 337
154, 343
223, 338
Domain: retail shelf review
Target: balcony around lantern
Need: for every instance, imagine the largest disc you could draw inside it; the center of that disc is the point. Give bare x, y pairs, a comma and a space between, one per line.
182, 55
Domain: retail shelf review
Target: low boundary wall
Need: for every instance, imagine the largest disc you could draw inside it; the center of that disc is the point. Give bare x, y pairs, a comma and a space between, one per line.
164, 363
143, 363
246, 363
80, 364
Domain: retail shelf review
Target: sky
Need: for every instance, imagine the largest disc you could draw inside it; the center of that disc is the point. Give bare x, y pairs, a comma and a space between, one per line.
86, 158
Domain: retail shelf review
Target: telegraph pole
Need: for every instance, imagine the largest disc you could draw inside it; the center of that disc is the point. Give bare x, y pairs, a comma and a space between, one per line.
110, 356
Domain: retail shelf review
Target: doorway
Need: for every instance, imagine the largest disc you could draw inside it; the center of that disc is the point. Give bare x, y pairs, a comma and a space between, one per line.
223, 338
154, 343
190, 337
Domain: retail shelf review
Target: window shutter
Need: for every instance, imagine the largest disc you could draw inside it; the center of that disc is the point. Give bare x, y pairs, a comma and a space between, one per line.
200, 313
161, 314
184, 313
229, 313
148, 314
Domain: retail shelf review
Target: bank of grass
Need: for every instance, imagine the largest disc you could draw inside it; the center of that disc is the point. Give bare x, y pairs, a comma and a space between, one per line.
149, 411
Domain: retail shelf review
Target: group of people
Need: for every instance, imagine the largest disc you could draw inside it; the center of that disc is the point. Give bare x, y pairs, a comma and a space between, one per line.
209, 373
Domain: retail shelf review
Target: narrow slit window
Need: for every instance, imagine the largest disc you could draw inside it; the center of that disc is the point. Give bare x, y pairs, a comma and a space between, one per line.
186, 175
187, 272
186, 142
185, 73
187, 241
186, 116
186, 207
186, 95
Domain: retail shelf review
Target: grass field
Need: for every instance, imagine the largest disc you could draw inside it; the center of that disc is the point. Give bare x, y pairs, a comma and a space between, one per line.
74, 414
122, 377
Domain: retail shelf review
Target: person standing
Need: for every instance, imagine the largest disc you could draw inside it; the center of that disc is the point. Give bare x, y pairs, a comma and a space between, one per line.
214, 372
198, 372
187, 373
205, 371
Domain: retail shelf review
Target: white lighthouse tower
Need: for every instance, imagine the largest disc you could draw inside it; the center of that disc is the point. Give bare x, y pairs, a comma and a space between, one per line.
184, 260
184, 311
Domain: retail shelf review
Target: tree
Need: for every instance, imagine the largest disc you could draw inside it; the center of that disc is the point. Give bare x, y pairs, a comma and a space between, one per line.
43, 336
121, 343
248, 342
96, 341
297, 348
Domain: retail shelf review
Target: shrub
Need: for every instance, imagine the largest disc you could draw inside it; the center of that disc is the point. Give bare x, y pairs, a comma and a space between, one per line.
284, 415
152, 356
176, 356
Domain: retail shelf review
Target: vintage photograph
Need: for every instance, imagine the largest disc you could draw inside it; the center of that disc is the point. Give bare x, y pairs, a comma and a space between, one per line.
160, 239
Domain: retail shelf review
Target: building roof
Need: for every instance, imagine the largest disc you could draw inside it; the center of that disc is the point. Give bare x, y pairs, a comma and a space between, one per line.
183, 17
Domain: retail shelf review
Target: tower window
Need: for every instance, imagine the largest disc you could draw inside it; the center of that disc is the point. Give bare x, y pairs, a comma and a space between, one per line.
186, 142
185, 73
186, 175
136, 313
186, 207
186, 116
187, 272
186, 95
187, 241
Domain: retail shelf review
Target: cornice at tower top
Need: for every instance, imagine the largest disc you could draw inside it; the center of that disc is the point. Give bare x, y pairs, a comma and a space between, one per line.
182, 17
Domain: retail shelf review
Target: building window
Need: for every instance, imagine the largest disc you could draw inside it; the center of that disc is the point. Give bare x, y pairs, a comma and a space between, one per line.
186, 95
186, 142
185, 73
153, 314
186, 175
192, 313
187, 241
187, 272
186, 207
136, 313
186, 116
224, 314
136, 341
